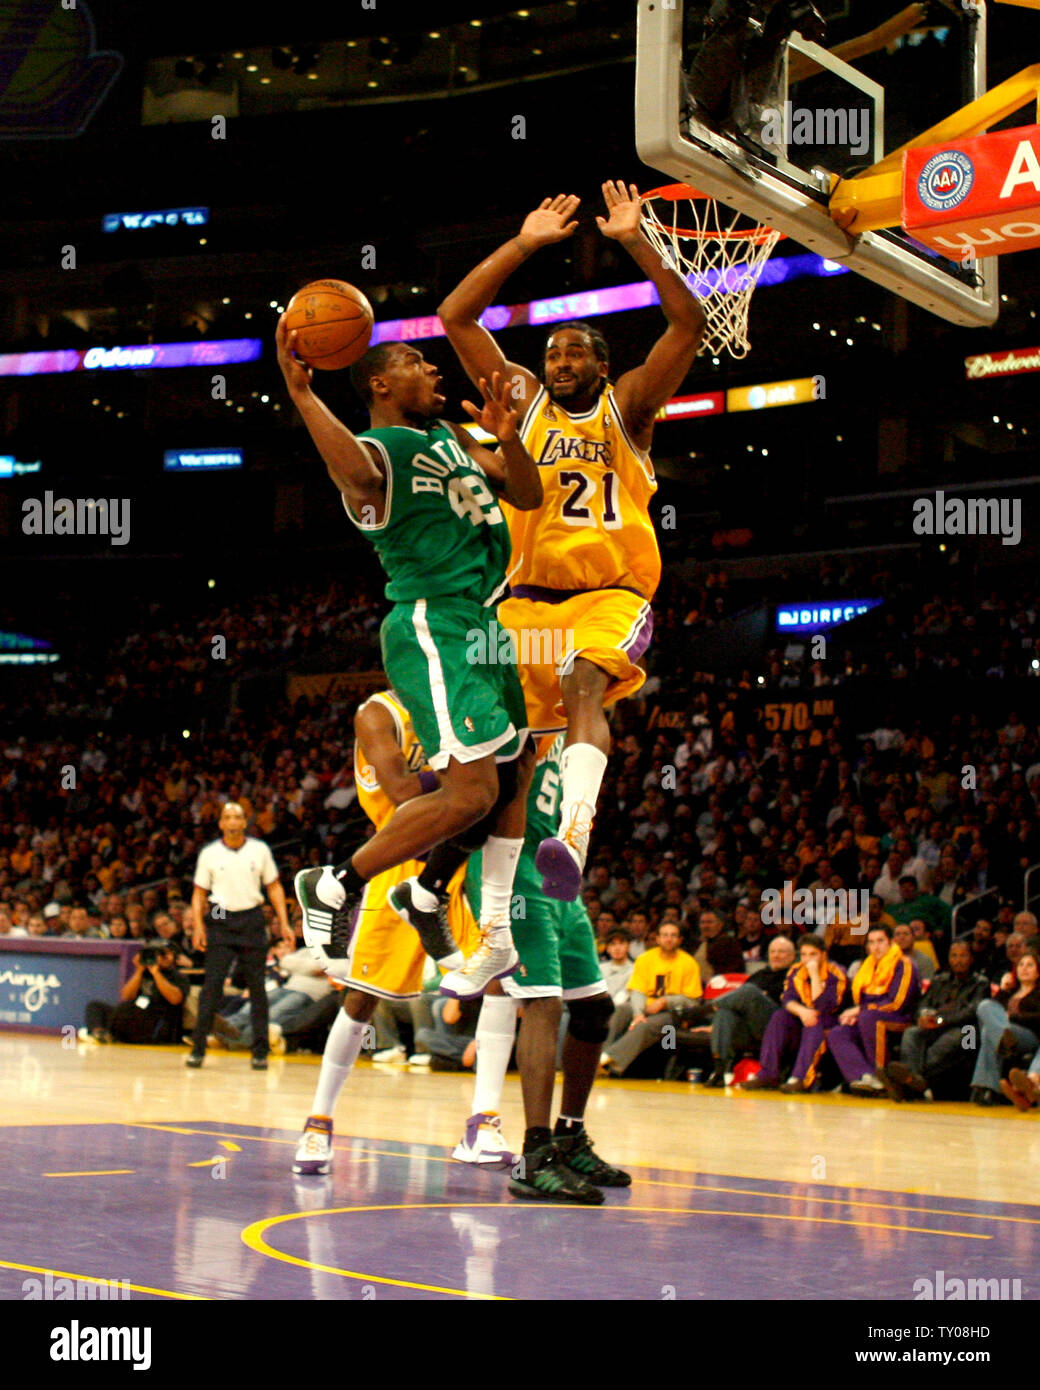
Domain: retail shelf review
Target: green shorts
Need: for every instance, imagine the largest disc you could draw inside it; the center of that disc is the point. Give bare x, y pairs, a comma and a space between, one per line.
555, 940
456, 679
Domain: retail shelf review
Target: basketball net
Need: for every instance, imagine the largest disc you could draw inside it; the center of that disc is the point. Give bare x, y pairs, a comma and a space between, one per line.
719, 259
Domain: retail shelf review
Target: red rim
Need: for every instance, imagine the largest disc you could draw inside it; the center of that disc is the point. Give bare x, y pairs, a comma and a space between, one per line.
676, 192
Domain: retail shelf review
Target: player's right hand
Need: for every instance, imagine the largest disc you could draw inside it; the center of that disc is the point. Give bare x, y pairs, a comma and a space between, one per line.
550, 220
297, 374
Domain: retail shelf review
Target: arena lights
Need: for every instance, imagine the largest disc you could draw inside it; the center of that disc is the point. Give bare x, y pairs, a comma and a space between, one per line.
144, 357
591, 303
142, 221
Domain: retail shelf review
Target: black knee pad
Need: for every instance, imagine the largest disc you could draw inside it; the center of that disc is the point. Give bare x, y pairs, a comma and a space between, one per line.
590, 1018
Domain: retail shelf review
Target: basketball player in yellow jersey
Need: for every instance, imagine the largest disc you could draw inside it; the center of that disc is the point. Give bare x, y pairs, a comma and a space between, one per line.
585, 564
386, 955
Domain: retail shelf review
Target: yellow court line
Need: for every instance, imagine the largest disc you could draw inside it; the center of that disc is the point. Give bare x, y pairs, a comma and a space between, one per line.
839, 1201
93, 1279
91, 1173
233, 1148
253, 1236
657, 1182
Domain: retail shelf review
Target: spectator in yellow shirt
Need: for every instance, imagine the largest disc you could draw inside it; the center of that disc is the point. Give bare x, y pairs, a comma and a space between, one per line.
663, 981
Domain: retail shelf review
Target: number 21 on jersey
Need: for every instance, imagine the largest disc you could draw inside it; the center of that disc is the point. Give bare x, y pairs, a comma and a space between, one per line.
587, 503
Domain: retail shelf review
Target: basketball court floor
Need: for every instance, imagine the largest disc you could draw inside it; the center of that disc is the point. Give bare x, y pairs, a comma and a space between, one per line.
118, 1164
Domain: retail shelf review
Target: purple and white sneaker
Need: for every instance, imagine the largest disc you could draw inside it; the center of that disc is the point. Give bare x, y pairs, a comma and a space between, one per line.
482, 1144
314, 1151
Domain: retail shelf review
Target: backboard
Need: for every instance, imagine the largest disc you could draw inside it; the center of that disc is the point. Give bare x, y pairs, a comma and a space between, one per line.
766, 127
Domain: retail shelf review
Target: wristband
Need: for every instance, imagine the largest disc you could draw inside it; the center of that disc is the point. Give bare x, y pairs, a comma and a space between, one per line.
428, 781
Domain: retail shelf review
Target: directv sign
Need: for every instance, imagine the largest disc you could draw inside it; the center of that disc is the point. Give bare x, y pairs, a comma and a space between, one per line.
141, 221
200, 460
10, 467
813, 617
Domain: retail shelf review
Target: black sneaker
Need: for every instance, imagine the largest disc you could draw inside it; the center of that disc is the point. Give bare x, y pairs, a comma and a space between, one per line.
328, 928
259, 1063
546, 1178
434, 931
194, 1059
581, 1158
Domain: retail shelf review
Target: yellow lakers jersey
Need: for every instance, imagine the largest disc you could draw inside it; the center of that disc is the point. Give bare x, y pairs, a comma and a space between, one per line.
375, 803
592, 530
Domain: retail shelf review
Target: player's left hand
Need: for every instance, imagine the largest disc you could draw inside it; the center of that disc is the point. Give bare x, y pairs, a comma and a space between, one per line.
497, 414
289, 936
624, 211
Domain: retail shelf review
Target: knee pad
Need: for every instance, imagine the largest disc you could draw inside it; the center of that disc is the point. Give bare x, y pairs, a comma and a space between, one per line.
590, 1018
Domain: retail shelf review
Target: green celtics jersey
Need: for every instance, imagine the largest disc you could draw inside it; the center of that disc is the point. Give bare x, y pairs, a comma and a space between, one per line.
443, 533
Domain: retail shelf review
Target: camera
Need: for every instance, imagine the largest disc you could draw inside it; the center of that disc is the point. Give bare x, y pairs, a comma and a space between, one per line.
150, 955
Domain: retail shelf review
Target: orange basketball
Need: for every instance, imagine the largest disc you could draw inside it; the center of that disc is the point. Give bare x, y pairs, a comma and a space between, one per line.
333, 321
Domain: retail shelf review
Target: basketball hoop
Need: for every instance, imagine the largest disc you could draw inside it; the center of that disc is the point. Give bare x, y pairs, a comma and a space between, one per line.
721, 261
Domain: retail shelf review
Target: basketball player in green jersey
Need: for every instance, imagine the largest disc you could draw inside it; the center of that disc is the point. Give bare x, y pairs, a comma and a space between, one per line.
426, 495
558, 961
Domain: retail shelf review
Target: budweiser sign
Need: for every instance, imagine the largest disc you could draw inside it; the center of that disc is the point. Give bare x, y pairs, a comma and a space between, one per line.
1002, 363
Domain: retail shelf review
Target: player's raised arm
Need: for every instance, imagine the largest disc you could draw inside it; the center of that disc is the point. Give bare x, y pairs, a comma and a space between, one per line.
642, 392
351, 466
477, 350
377, 734
513, 473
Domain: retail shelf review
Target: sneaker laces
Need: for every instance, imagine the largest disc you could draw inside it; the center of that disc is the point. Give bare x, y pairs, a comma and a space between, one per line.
314, 1141
576, 835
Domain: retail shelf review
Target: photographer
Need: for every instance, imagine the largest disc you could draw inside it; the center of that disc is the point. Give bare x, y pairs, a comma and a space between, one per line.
150, 1004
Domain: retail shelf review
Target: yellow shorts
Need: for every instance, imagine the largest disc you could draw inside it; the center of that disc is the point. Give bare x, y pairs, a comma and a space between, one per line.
611, 628
386, 957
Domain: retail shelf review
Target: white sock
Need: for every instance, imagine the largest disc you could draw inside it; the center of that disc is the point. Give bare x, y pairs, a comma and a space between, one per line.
496, 1028
341, 1052
496, 887
581, 775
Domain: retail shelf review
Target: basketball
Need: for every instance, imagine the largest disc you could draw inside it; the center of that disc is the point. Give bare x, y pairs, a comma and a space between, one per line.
333, 321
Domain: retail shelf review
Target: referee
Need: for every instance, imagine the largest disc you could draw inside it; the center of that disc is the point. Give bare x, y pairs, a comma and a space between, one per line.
230, 878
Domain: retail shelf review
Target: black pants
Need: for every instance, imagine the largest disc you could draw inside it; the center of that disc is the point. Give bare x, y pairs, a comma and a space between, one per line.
245, 939
126, 1022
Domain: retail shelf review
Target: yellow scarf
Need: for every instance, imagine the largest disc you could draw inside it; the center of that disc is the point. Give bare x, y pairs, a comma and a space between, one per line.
875, 976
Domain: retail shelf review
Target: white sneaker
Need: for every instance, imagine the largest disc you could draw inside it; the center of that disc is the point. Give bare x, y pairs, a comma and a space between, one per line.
488, 962
391, 1054
420, 1059
314, 1151
483, 1143
275, 1040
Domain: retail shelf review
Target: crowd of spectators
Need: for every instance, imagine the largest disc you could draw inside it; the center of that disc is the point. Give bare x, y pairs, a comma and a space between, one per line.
696, 820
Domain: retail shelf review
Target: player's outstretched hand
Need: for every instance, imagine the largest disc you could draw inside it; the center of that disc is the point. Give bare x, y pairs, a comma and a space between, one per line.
623, 211
297, 374
550, 220
497, 414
